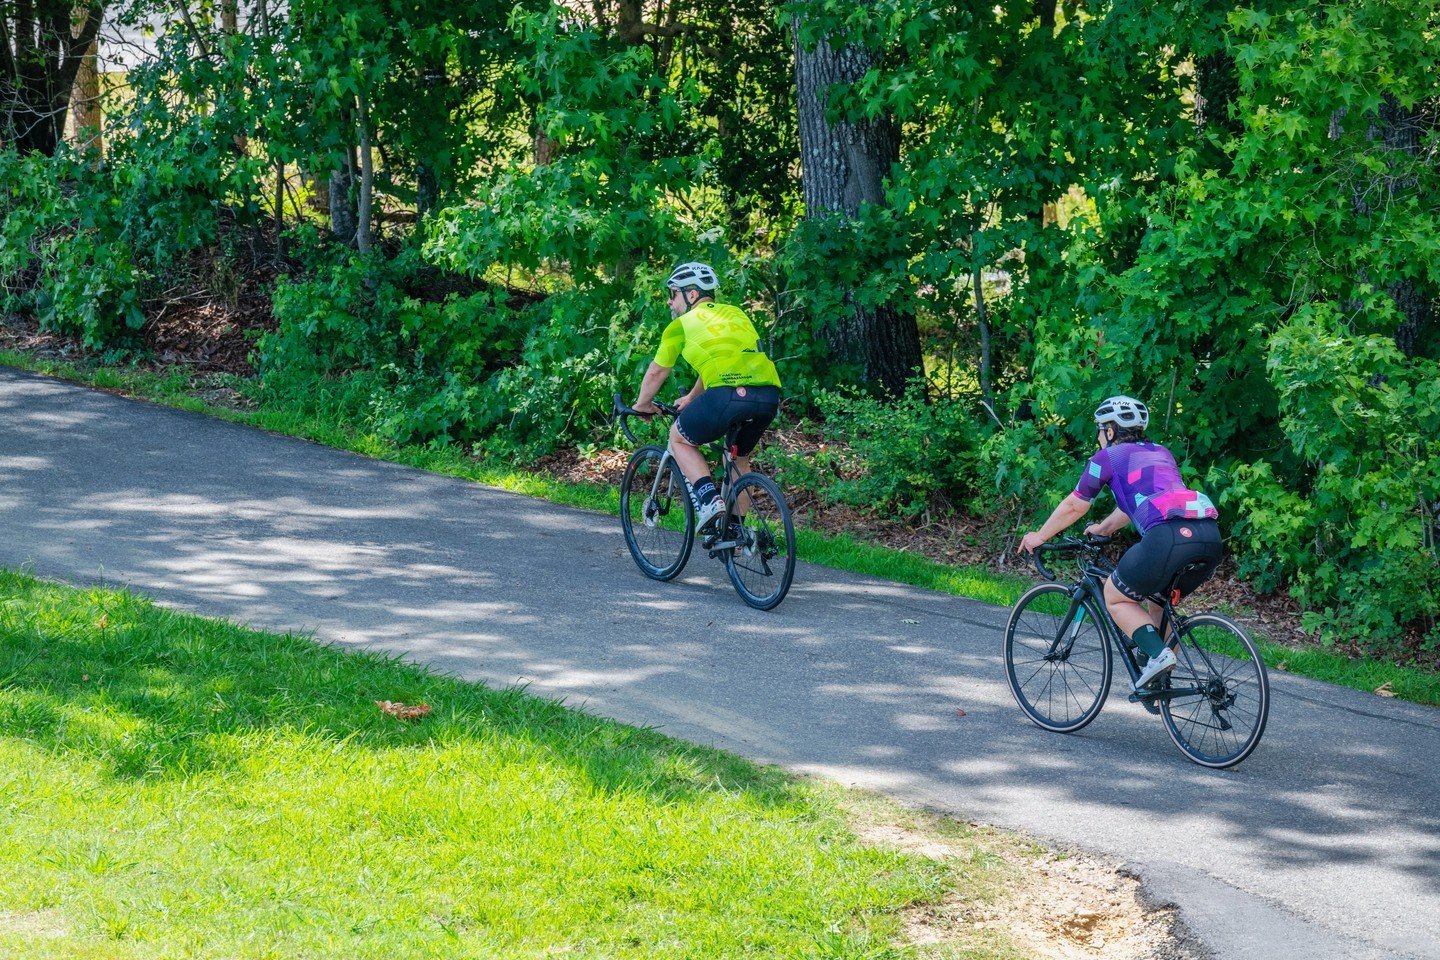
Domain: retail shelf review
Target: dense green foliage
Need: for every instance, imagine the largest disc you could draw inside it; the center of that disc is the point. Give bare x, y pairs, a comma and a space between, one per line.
1229, 209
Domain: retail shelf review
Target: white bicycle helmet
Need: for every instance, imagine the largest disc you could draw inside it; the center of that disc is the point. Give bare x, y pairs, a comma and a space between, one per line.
693, 274
1126, 413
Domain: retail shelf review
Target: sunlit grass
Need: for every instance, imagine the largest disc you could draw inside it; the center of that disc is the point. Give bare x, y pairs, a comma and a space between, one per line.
180, 787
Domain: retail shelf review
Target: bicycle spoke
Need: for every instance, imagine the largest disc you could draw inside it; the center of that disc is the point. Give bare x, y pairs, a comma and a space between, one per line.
656, 514
762, 564
1059, 669
1219, 721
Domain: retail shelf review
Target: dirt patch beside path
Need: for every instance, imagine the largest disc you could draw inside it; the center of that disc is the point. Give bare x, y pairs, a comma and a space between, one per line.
1057, 904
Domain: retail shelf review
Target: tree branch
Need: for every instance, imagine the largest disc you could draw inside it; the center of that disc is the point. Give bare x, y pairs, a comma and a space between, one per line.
195, 33
664, 29
7, 62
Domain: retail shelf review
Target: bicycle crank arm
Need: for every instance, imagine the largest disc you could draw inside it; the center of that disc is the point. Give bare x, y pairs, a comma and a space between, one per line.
1160, 695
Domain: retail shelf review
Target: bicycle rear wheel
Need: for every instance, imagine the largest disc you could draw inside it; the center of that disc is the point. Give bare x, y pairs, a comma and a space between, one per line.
1058, 666
1220, 693
659, 518
762, 566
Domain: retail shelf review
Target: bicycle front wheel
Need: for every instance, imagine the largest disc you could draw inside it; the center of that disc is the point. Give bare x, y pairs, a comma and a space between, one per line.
1058, 663
1219, 693
657, 514
762, 565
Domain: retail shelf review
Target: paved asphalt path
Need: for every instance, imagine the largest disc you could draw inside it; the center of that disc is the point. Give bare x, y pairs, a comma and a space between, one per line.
1325, 843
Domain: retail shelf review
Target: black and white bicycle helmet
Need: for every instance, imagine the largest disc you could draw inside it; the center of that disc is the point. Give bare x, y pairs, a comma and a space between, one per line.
1126, 413
693, 274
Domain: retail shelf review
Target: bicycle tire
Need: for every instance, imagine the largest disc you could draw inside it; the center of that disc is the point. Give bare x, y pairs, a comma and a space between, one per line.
768, 535
1223, 722
659, 538
1070, 691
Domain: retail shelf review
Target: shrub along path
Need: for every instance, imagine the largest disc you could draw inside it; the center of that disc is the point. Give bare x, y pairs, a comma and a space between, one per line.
1313, 846
947, 551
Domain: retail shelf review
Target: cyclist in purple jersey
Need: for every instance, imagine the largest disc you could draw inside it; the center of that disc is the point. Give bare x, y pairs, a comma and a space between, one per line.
1178, 527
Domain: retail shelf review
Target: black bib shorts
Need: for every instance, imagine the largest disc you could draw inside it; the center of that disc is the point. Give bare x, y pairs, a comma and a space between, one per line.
711, 415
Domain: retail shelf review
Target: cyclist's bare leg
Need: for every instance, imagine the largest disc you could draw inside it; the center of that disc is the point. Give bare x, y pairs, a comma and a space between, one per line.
742, 503
1130, 616
692, 461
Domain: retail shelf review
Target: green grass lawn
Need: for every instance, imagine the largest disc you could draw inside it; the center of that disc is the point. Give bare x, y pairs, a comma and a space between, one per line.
180, 787
844, 552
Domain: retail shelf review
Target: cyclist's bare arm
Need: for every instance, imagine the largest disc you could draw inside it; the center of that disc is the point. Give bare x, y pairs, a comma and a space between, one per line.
695, 391
1072, 508
1110, 526
654, 379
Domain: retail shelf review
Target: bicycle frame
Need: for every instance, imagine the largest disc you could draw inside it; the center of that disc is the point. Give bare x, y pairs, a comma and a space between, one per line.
731, 473
1091, 586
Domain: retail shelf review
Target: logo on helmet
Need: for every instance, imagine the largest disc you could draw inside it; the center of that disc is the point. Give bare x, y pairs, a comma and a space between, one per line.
693, 274
1126, 413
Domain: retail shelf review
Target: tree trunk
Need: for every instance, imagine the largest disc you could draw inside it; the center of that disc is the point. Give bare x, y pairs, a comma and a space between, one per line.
1217, 86
85, 101
367, 178
342, 203
429, 162
279, 209
982, 317
230, 26
343, 183
427, 192
1399, 132
843, 166
41, 52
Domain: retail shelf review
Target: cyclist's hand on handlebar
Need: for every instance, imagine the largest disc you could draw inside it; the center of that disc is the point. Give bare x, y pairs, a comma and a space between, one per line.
682, 402
1097, 530
1029, 542
646, 409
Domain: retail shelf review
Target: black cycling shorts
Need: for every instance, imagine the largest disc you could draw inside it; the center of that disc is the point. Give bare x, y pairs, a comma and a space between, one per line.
1147, 568
711, 415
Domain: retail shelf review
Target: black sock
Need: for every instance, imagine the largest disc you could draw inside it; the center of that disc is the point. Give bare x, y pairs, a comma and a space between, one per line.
1147, 638
705, 491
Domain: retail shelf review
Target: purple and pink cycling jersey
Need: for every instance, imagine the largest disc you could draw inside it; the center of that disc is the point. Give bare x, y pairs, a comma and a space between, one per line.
1146, 483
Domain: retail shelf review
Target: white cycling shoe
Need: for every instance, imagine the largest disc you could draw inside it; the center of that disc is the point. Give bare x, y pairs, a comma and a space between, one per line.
706, 516
1158, 664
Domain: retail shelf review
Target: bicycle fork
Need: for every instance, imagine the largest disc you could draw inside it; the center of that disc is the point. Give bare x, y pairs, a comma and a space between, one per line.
1069, 630
653, 511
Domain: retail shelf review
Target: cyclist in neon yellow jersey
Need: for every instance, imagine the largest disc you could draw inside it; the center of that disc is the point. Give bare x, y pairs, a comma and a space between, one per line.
738, 385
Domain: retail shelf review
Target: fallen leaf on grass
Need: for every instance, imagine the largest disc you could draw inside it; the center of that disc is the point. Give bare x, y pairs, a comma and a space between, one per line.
403, 711
1384, 690
103, 622
1283, 665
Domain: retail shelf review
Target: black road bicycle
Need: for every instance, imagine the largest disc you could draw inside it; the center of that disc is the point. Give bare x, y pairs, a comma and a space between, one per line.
1059, 662
755, 537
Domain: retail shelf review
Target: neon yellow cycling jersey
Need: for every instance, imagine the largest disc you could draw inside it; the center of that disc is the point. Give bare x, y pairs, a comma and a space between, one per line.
720, 342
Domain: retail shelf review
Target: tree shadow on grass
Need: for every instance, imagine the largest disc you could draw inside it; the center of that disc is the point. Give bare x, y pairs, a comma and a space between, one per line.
153, 694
